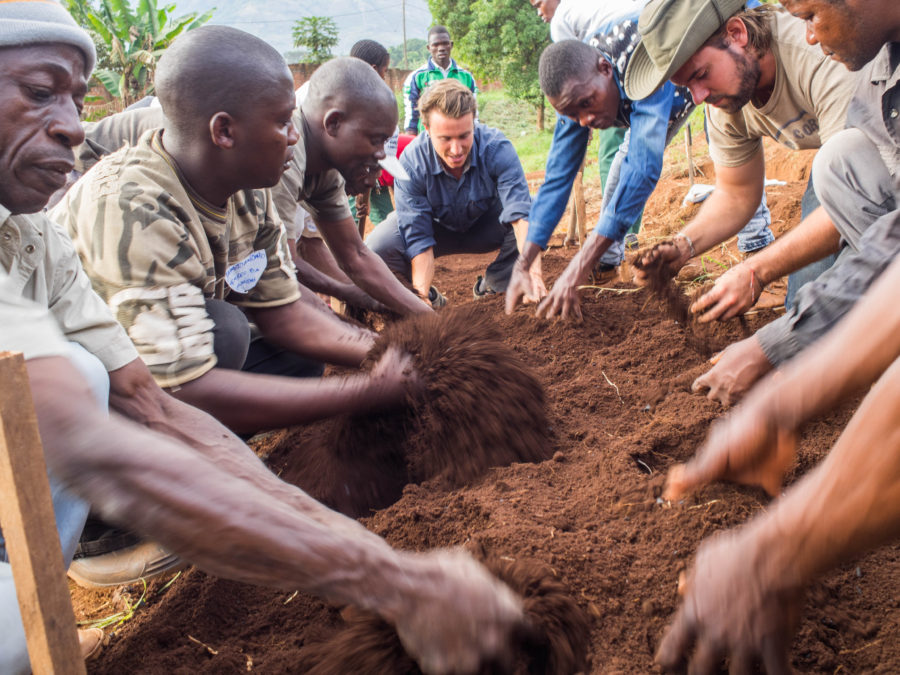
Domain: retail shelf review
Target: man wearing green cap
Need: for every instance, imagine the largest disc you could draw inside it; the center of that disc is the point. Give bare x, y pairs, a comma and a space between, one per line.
760, 78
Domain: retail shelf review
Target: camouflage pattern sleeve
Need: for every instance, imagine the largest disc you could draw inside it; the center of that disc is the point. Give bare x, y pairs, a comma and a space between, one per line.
149, 258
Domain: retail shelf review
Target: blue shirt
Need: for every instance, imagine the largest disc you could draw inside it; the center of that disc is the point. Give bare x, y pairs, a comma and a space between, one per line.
653, 121
493, 182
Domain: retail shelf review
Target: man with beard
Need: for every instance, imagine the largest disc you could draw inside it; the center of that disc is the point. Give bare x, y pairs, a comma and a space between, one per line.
846, 225
759, 78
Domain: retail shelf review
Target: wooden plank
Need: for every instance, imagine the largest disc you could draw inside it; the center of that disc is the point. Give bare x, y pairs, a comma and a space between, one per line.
29, 527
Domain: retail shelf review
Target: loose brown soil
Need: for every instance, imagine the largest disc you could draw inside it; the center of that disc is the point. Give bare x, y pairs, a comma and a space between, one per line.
620, 413
554, 642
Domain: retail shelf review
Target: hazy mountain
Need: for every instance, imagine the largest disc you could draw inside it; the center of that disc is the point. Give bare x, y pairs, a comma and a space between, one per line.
272, 21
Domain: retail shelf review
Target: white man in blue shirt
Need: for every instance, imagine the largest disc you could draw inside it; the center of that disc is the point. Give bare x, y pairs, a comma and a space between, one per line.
466, 193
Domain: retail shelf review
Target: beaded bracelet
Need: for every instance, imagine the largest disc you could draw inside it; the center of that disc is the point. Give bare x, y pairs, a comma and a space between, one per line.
688, 240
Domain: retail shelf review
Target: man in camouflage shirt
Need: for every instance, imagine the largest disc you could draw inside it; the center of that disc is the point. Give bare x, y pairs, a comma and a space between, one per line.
183, 249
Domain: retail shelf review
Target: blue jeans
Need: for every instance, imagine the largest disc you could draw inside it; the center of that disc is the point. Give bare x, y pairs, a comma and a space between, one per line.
487, 234
70, 511
757, 233
811, 272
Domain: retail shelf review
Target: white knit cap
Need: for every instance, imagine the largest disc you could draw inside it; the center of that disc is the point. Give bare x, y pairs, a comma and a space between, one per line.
31, 22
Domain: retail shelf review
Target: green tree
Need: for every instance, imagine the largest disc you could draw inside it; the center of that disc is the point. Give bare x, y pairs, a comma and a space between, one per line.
416, 52
318, 35
130, 41
498, 40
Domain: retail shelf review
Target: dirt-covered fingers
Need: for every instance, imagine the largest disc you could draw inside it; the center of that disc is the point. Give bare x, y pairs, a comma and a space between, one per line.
561, 302
518, 289
733, 294
469, 618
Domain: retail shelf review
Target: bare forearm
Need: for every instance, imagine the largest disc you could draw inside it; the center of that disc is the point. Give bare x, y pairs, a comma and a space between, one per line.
225, 521
319, 282
247, 402
721, 216
317, 254
813, 239
579, 268
370, 273
849, 503
520, 228
313, 333
422, 271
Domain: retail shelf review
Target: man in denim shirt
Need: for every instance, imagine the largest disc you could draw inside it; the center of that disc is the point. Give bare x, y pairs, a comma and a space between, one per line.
584, 82
466, 193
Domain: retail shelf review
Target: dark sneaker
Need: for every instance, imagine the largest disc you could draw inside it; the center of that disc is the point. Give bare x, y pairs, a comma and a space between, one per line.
436, 298
481, 289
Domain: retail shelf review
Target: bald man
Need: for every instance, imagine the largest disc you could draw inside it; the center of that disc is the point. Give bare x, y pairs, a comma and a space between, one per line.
343, 123
184, 244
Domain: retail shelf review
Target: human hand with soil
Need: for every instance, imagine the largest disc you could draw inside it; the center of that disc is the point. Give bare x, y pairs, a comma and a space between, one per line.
747, 447
526, 284
654, 266
458, 617
734, 293
394, 378
734, 371
562, 301
738, 604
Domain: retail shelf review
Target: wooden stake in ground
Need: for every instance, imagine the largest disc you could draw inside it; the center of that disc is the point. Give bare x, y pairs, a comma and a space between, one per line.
29, 527
578, 213
362, 204
688, 149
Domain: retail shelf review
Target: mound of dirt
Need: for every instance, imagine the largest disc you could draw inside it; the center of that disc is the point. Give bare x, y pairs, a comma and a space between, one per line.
481, 407
555, 643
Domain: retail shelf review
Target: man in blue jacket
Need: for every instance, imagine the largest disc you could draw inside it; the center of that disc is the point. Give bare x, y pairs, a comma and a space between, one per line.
466, 193
583, 82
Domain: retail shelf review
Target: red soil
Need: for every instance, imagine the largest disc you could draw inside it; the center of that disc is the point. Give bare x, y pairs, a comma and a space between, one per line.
620, 413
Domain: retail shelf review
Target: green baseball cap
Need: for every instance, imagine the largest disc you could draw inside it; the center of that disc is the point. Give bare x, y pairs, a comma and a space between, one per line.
671, 32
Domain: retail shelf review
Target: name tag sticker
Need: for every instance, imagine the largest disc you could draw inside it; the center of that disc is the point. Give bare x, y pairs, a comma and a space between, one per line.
243, 275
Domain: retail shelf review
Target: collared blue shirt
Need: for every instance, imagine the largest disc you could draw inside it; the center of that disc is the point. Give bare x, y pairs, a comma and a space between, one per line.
493, 182
653, 121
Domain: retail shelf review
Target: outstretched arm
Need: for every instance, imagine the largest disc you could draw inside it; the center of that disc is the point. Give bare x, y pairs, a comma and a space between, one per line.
739, 288
224, 511
744, 594
367, 270
744, 445
730, 206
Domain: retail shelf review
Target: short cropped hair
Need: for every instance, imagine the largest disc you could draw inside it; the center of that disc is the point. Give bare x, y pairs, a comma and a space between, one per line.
449, 97
434, 30
758, 21
564, 61
371, 52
